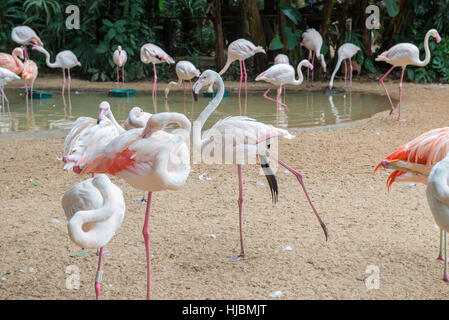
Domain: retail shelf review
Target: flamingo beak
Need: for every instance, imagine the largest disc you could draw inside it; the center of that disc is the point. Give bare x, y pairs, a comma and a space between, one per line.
101, 115
385, 164
195, 96
146, 133
438, 38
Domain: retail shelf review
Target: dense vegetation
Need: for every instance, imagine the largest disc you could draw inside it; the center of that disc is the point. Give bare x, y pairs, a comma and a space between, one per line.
189, 28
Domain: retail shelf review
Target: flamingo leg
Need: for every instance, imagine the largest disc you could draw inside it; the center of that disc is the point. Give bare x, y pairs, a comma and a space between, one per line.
154, 81
6, 99
118, 77
32, 87
241, 78
69, 80
385, 88
350, 75
346, 72
446, 275
299, 177
265, 95
313, 61
285, 94
63, 81
400, 96
99, 275
123, 75
25, 51
310, 60
246, 77
184, 86
146, 236
191, 90
240, 203
440, 254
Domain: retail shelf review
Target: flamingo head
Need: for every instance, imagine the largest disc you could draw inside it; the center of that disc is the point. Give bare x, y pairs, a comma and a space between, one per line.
434, 33
105, 108
119, 48
101, 181
206, 78
19, 51
37, 41
323, 63
260, 49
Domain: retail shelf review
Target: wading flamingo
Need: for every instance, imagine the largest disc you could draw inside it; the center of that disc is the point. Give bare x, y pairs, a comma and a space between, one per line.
185, 70
120, 57
6, 76
282, 58
402, 55
137, 118
312, 40
240, 49
149, 159
12, 61
413, 161
346, 51
95, 209
25, 36
88, 136
151, 53
64, 60
280, 75
238, 139
29, 74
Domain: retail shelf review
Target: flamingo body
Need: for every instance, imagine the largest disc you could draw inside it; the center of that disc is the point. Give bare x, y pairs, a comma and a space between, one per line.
120, 57
137, 118
30, 73
6, 76
12, 61
25, 36
186, 71
281, 58
312, 40
346, 51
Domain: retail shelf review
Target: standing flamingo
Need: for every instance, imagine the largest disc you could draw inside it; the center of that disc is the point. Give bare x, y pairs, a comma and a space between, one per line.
281, 74
238, 139
282, 58
312, 40
120, 57
25, 36
6, 76
149, 159
414, 161
64, 60
95, 209
137, 118
151, 53
12, 61
402, 55
241, 50
346, 51
185, 70
30, 73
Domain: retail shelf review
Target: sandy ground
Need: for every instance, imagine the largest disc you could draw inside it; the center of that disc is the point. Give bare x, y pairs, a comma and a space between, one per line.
367, 226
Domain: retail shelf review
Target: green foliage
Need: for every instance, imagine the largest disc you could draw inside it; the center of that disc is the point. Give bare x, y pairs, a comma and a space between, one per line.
291, 12
392, 7
276, 43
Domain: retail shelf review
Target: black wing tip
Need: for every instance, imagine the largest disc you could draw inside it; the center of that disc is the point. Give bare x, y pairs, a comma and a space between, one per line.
272, 182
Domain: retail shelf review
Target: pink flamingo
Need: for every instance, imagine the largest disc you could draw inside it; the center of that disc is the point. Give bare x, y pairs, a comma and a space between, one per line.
120, 57
6, 76
185, 70
279, 59
149, 159
30, 73
137, 118
241, 50
151, 53
239, 138
12, 61
402, 55
64, 60
312, 40
25, 36
95, 209
346, 51
413, 161
280, 75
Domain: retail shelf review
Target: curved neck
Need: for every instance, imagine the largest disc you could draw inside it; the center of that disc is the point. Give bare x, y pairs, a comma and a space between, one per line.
18, 62
47, 59
331, 83
426, 48
136, 122
116, 124
300, 75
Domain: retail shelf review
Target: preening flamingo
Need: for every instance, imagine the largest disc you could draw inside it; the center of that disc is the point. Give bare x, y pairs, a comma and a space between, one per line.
414, 161
137, 118
185, 70
312, 40
345, 52
12, 61
241, 50
402, 55
25, 36
151, 53
238, 139
89, 136
149, 159
281, 74
120, 57
65, 60
95, 209
29, 74
6, 76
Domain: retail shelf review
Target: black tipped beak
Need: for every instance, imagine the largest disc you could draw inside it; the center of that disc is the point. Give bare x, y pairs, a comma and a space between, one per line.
98, 121
195, 95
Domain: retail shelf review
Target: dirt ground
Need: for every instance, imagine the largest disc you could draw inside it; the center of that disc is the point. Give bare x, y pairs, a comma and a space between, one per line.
394, 232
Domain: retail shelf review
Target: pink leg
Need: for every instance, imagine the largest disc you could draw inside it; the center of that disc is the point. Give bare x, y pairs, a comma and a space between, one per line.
299, 177
310, 60
154, 81
118, 78
265, 95
346, 72
313, 61
400, 97
6, 99
123, 75
63, 81
25, 51
191, 90
246, 77
350, 75
383, 85
99, 275
241, 78
184, 86
69, 81
285, 94
146, 236
278, 96
240, 203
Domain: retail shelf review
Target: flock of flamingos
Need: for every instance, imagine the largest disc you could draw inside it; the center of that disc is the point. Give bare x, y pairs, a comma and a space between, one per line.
151, 159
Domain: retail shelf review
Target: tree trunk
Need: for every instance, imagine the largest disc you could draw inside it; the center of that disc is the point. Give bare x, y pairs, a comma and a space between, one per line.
219, 41
257, 34
326, 21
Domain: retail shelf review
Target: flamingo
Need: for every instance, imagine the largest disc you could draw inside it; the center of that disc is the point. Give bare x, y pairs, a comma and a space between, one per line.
240, 49
137, 118
346, 51
95, 209
402, 55
185, 70
413, 161
6, 76
88, 136
281, 74
25, 36
312, 40
282, 58
239, 136
120, 57
149, 159
65, 60
30, 72
151, 53
12, 61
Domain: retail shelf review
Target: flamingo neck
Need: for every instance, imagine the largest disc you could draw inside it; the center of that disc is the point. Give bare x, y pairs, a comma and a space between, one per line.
18, 62
427, 50
300, 75
47, 59
111, 117
331, 83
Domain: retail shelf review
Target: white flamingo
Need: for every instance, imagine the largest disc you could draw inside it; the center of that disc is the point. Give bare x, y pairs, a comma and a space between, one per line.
120, 57
6, 76
402, 55
345, 52
25, 36
95, 209
185, 70
281, 58
137, 118
312, 40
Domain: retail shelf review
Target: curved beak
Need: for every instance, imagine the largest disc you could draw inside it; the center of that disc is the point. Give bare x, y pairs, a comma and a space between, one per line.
438, 38
101, 115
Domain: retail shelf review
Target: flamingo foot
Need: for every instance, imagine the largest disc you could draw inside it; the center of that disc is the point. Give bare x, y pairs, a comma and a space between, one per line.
446, 277
401, 120
440, 257
391, 111
142, 201
105, 253
237, 258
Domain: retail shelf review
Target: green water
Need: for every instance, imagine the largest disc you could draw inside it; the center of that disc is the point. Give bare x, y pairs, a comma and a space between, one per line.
307, 108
